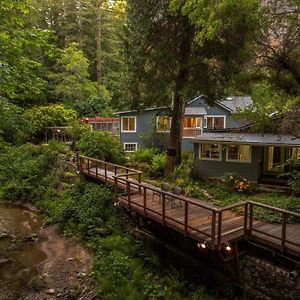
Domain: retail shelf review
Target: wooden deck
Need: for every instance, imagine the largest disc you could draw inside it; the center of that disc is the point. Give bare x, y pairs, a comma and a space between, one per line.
196, 219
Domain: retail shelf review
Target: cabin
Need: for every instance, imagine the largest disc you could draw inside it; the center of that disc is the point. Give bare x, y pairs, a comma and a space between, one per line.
259, 157
151, 127
111, 125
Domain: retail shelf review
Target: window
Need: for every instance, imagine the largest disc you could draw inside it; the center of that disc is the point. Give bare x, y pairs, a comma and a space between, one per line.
211, 151
214, 122
192, 122
163, 124
128, 124
295, 152
130, 147
239, 153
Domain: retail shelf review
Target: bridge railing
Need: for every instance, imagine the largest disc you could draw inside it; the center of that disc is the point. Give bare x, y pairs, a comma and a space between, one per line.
104, 170
284, 235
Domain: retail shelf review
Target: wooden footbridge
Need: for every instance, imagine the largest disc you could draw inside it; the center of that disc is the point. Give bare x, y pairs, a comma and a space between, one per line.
208, 225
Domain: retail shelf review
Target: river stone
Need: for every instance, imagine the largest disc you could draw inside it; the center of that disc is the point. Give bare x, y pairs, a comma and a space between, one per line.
4, 261
50, 291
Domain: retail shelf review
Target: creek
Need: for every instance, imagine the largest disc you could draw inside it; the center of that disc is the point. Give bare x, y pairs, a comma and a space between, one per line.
20, 249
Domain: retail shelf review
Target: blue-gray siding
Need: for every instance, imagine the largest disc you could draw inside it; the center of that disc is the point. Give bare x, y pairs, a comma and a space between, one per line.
210, 168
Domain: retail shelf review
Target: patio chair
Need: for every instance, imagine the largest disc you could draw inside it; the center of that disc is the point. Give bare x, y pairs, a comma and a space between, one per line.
176, 191
164, 187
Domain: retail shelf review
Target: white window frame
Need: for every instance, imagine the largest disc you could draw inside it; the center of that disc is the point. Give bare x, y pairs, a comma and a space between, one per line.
213, 159
122, 130
125, 144
214, 116
237, 160
162, 131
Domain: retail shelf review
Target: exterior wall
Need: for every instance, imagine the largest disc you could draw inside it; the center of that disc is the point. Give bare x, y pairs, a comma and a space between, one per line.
145, 135
210, 168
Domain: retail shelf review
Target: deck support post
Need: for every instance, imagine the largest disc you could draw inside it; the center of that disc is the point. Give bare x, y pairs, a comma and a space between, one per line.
250, 219
246, 219
139, 180
88, 165
97, 165
128, 192
116, 189
105, 172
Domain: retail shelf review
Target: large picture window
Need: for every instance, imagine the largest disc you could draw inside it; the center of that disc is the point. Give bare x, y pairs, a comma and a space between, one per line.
128, 124
239, 153
211, 151
295, 153
192, 122
163, 124
214, 122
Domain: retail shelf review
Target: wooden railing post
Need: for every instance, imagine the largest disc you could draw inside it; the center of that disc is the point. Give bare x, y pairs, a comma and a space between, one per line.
116, 189
105, 172
283, 232
115, 170
163, 201
220, 229
246, 219
88, 165
128, 192
78, 161
213, 229
145, 200
127, 174
250, 219
186, 217
97, 164
139, 180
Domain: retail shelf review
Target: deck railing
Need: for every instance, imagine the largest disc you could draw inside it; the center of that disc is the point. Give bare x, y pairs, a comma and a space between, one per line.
127, 186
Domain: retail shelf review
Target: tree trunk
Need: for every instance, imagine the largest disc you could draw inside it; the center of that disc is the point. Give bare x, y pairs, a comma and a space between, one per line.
98, 43
174, 145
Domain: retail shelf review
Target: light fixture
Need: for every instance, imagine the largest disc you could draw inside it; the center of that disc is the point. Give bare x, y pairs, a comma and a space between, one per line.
203, 245
227, 247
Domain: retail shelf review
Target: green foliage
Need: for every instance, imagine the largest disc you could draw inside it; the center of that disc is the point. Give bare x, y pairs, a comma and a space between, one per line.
292, 173
157, 165
22, 170
144, 155
13, 126
40, 117
71, 80
102, 145
76, 129
95, 105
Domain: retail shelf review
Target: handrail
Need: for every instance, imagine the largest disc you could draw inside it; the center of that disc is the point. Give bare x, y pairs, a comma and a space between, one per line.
215, 232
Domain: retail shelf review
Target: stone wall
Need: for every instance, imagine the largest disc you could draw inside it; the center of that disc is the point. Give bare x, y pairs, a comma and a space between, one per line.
265, 281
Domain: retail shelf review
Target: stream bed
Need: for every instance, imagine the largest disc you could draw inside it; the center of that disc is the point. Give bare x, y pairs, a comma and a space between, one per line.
20, 249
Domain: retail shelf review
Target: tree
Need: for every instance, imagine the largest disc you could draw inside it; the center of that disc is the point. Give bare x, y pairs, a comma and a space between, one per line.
72, 78
183, 48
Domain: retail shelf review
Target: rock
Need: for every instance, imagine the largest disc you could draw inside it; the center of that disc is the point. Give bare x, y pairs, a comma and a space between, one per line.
4, 235
4, 261
81, 274
30, 238
37, 283
70, 259
50, 291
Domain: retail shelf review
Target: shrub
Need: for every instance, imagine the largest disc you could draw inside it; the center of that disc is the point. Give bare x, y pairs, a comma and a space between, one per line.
292, 167
144, 155
237, 183
102, 145
157, 166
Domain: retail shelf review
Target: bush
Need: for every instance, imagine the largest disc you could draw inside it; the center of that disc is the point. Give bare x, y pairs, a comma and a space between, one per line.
102, 145
144, 155
157, 166
292, 167
237, 183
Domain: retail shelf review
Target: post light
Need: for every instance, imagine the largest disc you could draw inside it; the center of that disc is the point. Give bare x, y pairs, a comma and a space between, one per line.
203, 245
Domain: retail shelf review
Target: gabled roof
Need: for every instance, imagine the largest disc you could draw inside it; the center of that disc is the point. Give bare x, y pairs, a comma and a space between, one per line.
234, 104
249, 138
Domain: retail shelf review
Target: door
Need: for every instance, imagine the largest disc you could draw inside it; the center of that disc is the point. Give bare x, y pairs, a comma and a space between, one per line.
274, 157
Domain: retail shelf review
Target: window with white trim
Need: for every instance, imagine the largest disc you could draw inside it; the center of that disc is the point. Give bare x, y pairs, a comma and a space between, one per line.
211, 151
163, 123
240, 153
130, 147
214, 122
128, 124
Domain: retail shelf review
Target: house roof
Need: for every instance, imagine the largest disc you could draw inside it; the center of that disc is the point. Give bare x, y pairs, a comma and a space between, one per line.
195, 111
249, 138
234, 104
135, 110
100, 120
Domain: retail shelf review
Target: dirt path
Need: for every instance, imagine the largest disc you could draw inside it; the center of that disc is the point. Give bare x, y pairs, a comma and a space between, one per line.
65, 272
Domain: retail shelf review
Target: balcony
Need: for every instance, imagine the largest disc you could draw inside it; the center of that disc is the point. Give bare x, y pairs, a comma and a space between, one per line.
190, 132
